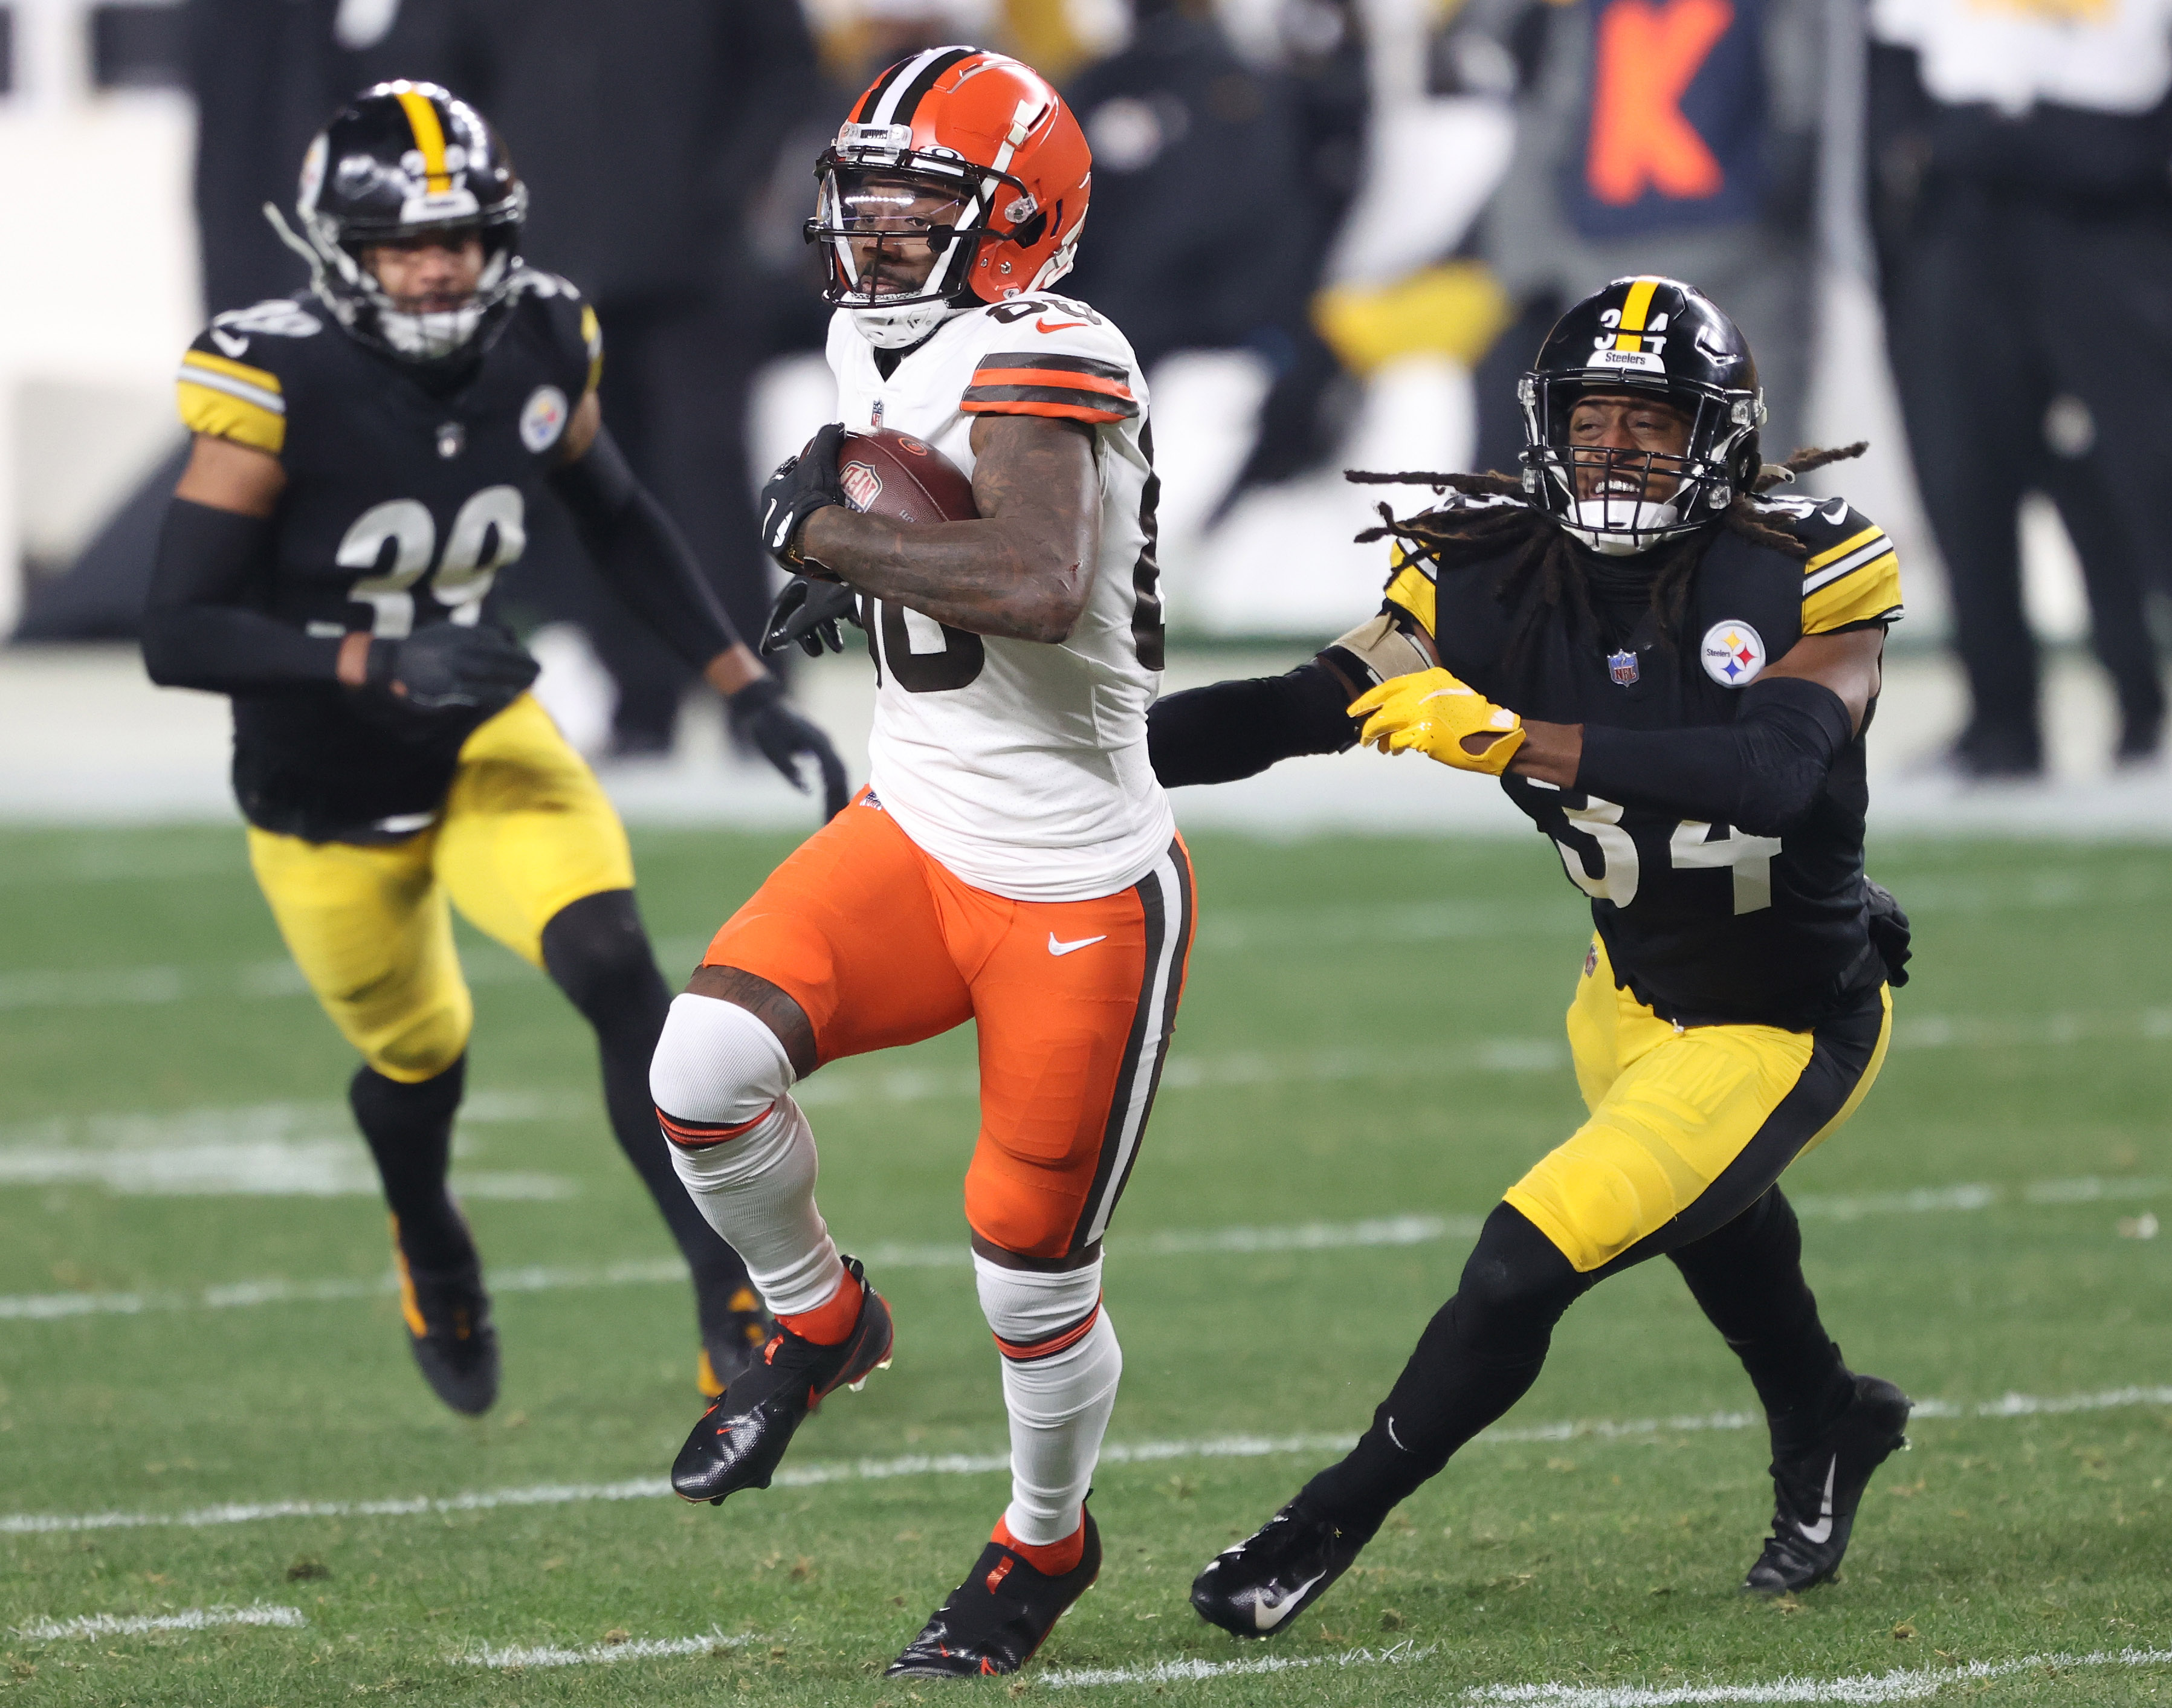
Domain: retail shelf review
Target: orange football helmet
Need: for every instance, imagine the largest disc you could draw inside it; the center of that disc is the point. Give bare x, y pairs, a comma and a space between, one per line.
959, 176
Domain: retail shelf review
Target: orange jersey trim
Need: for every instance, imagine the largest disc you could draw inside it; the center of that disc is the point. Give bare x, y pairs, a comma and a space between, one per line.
1070, 412
1050, 376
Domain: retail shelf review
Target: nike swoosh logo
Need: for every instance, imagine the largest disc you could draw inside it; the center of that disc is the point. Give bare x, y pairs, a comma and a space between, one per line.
1055, 325
1062, 948
1834, 513
1822, 1530
1267, 1616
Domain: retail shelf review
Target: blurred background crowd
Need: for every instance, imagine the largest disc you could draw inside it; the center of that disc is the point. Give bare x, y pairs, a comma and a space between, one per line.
1334, 230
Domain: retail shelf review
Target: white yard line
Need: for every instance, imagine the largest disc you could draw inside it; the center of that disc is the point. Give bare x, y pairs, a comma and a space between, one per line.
2007, 1406
1309, 1236
632, 1649
195, 1619
1901, 1684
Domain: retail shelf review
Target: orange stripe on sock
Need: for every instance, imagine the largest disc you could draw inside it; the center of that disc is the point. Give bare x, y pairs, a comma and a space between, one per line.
831, 1322
1024, 1352
1050, 1559
694, 1135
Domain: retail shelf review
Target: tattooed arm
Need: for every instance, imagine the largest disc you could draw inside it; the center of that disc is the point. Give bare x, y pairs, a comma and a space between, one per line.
1023, 572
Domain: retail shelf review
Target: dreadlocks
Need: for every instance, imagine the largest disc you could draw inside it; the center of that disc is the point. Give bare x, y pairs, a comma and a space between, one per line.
1457, 533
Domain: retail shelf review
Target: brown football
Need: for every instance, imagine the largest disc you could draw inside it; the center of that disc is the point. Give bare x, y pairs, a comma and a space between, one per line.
894, 475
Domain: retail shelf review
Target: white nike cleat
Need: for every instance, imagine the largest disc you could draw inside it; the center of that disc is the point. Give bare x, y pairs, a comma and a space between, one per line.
1816, 1492
1257, 1587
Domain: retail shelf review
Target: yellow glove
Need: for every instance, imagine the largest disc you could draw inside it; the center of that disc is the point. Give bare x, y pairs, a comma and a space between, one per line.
1432, 711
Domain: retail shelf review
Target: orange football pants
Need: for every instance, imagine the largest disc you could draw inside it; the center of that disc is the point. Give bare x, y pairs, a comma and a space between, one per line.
1075, 1003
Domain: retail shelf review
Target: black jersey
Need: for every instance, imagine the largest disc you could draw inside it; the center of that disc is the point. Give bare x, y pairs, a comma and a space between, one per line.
407, 494
1703, 922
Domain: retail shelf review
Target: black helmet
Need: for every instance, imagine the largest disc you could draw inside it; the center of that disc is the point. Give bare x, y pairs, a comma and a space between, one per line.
1644, 334
402, 160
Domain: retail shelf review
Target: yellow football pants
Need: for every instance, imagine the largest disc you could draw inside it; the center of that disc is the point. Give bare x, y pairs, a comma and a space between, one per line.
1688, 1126
526, 829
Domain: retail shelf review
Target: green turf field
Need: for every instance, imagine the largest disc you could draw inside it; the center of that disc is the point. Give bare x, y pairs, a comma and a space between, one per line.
1370, 1050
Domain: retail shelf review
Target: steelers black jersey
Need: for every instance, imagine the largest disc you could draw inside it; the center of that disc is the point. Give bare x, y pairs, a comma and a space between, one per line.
407, 495
1703, 922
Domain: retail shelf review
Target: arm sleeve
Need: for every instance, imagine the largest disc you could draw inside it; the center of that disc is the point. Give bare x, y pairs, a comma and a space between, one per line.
1238, 728
641, 553
1761, 773
198, 631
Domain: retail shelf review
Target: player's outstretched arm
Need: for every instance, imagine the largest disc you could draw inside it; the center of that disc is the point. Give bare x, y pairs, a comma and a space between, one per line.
1762, 773
1023, 572
649, 565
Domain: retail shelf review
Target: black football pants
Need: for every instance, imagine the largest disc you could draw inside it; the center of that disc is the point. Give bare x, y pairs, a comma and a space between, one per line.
1995, 307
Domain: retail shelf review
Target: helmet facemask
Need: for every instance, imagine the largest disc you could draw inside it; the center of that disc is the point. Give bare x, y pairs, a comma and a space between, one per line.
1619, 500
901, 229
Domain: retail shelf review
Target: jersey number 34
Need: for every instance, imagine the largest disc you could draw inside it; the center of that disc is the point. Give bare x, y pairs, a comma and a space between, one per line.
398, 541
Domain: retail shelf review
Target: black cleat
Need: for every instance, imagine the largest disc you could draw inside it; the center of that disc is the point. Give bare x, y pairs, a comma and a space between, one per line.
1816, 1492
731, 1343
995, 1619
1256, 1588
744, 1433
449, 1332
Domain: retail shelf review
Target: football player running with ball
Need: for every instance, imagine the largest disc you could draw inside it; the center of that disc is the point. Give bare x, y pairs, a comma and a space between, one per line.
1672, 676
1014, 862
366, 454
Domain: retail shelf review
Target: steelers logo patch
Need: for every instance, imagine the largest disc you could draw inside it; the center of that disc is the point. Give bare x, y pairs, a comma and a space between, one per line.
1733, 653
543, 418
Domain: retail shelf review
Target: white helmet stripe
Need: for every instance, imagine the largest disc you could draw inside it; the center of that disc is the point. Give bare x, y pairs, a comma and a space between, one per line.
885, 112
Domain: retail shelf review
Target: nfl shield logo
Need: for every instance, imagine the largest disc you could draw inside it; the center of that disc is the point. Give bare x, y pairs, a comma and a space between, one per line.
1621, 667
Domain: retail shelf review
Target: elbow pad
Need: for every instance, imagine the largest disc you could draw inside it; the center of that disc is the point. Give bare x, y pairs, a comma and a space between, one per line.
1762, 773
1237, 729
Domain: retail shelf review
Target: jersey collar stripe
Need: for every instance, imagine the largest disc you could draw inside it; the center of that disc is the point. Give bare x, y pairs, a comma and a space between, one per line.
1853, 542
1847, 566
429, 138
269, 401
259, 377
1069, 364
987, 375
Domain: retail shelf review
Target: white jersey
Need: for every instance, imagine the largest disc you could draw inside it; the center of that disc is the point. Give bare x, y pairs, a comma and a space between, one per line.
1019, 765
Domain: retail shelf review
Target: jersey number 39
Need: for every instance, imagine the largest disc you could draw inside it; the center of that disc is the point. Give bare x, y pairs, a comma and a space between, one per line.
486, 535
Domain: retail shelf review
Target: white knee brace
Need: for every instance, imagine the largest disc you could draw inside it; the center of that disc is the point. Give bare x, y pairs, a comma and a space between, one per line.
721, 1083
1061, 1365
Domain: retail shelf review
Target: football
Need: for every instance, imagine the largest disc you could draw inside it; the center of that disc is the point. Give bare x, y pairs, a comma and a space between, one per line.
895, 474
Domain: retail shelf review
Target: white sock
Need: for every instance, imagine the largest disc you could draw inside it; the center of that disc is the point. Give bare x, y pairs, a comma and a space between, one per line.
719, 1067
1059, 1400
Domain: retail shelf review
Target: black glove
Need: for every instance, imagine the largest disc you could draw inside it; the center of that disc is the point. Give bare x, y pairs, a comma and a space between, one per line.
450, 664
808, 612
1889, 931
760, 714
801, 486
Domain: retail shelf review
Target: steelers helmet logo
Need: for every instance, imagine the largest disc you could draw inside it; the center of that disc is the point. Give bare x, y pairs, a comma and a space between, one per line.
543, 418
1732, 652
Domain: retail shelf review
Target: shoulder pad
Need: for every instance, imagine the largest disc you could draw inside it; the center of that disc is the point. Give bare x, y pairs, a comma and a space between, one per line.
1852, 574
230, 384
1044, 355
571, 321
